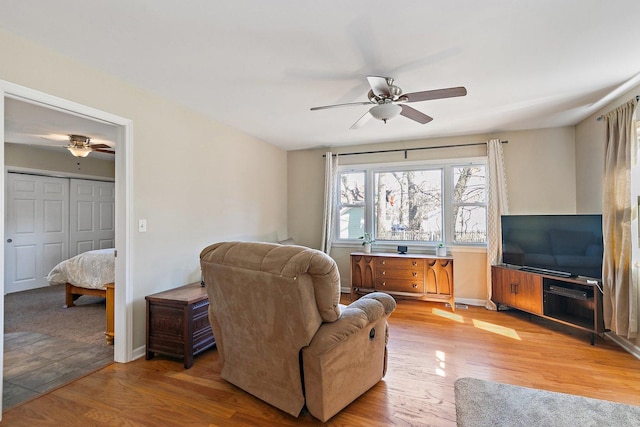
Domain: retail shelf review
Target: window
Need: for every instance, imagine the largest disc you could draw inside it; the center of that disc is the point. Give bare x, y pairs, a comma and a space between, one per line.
408, 205
469, 204
351, 205
434, 203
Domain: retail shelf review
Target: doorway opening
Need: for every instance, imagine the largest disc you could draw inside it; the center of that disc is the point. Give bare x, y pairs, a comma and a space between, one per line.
123, 129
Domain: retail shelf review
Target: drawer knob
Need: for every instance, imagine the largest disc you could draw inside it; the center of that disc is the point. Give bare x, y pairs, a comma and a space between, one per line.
384, 283
383, 262
414, 263
415, 285
384, 272
414, 274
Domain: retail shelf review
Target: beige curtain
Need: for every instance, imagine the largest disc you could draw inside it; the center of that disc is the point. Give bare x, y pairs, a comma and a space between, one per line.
330, 177
620, 307
498, 205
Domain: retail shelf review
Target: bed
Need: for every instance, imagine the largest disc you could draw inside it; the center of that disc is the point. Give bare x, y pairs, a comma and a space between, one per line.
89, 273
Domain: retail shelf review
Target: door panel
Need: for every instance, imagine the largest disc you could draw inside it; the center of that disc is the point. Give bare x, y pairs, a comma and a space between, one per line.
53, 253
36, 229
92, 216
25, 268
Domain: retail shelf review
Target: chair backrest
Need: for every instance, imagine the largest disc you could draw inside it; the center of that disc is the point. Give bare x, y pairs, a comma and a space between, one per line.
266, 302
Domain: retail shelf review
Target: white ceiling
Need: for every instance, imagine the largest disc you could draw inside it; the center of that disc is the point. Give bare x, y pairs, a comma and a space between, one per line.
45, 127
259, 66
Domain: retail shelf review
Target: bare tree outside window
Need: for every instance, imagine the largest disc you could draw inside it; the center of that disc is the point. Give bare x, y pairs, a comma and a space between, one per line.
409, 205
469, 204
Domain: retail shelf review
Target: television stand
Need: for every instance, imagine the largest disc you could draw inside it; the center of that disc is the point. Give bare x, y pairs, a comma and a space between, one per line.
546, 271
572, 301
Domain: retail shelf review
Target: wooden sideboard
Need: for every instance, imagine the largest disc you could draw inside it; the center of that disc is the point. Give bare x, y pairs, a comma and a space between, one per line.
417, 276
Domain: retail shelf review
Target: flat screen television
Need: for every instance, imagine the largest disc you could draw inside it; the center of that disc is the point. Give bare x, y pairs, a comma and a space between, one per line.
562, 245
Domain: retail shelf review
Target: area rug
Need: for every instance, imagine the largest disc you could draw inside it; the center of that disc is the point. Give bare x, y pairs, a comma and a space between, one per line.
485, 403
41, 311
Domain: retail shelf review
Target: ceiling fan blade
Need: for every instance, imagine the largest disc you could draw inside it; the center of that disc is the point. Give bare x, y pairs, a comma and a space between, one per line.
324, 107
434, 94
379, 85
101, 150
96, 146
413, 114
361, 121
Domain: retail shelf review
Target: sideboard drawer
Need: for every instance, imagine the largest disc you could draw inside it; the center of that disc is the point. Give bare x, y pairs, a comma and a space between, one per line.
400, 273
407, 263
399, 285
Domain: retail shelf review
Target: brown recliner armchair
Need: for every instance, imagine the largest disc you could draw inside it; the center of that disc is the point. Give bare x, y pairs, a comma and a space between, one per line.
281, 333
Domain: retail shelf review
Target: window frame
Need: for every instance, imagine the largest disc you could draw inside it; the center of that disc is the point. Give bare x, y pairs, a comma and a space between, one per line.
447, 167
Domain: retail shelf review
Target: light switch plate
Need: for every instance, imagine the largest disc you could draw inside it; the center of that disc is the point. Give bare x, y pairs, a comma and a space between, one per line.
142, 225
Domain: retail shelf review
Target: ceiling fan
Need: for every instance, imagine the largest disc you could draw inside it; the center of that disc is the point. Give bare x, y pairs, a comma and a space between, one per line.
80, 146
389, 101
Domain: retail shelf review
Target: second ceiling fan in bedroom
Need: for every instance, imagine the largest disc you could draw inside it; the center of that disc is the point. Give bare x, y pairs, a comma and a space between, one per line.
389, 101
80, 146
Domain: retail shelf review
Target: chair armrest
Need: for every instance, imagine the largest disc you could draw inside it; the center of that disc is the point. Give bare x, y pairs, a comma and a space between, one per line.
347, 357
355, 317
386, 300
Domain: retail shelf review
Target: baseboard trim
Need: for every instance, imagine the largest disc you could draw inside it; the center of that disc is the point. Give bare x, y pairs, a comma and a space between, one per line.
471, 301
627, 345
139, 352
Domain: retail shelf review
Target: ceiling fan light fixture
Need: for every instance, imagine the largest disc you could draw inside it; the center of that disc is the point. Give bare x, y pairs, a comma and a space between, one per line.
79, 145
79, 151
385, 112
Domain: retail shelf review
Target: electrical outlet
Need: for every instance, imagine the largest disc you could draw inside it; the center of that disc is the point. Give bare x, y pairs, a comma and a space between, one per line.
142, 225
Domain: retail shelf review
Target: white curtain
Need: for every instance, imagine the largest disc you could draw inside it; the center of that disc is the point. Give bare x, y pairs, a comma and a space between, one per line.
330, 177
498, 205
620, 304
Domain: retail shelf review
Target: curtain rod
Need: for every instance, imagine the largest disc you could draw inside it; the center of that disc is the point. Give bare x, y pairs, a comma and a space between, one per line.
602, 116
397, 150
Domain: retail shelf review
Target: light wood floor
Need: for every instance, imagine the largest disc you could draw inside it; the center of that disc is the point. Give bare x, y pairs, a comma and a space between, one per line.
429, 349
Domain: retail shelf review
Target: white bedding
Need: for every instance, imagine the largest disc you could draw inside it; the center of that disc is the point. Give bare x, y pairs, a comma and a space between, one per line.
92, 269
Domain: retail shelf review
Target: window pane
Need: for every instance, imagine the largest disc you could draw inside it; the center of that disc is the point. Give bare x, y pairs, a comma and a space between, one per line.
352, 188
351, 223
408, 205
469, 184
470, 224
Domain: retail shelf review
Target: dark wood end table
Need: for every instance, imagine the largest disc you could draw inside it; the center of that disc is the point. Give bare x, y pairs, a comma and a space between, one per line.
178, 323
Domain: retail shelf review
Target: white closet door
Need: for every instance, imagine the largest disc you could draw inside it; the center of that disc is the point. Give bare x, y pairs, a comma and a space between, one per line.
92, 217
36, 229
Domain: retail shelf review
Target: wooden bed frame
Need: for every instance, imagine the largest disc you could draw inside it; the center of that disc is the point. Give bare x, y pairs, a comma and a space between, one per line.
74, 292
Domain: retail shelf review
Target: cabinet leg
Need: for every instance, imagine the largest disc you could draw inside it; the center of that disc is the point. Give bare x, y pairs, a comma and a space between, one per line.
592, 338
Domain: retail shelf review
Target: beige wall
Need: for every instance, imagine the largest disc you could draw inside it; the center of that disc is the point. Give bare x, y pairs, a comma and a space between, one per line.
28, 157
227, 185
540, 170
590, 141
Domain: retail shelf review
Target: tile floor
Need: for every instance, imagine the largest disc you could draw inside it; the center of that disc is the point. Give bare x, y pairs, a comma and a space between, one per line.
35, 364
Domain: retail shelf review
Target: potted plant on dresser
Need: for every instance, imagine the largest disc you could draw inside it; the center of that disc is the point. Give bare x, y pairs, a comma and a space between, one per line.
367, 240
